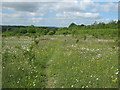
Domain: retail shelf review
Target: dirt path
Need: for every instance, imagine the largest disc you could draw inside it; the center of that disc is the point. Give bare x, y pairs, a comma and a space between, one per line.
50, 80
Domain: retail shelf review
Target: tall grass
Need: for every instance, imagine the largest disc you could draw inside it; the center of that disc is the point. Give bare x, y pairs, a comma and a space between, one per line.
59, 62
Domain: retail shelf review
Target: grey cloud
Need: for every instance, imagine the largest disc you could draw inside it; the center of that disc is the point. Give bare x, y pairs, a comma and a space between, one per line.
21, 6
43, 6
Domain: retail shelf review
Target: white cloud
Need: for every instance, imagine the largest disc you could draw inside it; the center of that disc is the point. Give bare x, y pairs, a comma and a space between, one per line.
58, 0
72, 5
105, 0
74, 15
38, 14
107, 7
106, 20
19, 18
84, 5
24, 12
67, 6
36, 20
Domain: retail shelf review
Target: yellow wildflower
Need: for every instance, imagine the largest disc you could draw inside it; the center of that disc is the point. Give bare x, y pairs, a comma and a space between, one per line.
115, 80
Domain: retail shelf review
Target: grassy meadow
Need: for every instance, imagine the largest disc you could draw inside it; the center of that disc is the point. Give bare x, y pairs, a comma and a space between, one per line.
58, 61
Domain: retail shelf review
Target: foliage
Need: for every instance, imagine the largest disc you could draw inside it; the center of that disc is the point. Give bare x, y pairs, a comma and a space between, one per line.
22, 30
51, 33
63, 32
72, 29
31, 29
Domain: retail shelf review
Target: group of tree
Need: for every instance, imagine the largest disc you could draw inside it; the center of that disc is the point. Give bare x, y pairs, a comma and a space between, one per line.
33, 30
29, 30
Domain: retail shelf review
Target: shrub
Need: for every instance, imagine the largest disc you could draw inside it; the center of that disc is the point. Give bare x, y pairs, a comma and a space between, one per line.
51, 33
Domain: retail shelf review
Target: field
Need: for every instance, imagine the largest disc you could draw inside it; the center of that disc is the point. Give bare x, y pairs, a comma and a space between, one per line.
59, 61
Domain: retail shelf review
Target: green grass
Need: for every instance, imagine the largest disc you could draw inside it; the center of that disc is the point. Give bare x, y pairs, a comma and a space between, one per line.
98, 33
59, 62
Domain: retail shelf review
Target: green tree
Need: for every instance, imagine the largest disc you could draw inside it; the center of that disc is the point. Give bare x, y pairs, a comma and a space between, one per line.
65, 32
31, 29
23, 30
72, 25
51, 33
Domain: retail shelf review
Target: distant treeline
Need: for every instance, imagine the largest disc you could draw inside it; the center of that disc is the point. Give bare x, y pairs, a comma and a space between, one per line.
34, 30
11, 28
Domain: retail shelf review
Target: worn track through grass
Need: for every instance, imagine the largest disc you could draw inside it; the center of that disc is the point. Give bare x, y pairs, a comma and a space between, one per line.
50, 81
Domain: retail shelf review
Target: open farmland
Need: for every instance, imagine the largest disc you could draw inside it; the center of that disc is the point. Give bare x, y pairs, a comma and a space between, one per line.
59, 61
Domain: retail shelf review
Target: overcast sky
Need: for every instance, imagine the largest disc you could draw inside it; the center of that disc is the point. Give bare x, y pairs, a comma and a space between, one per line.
58, 13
